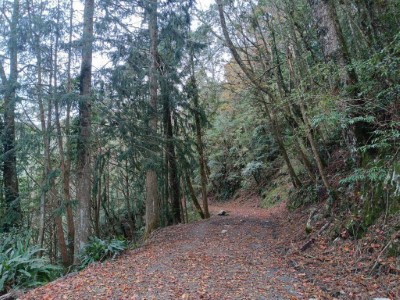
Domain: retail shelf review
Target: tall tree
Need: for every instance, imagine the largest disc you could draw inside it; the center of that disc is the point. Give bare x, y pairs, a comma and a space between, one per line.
65, 162
330, 34
172, 169
83, 156
335, 48
10, 177
152, 196
194, 95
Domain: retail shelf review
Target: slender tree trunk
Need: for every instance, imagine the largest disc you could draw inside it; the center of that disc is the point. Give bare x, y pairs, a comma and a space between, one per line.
315, 151
276, 132
65, 158
62, 245
152, 197
98, 189
185, 217
277, 61
165, 199
193, 197
172, 186
131, 216
83, 158
46, 145
172, 167
200, 146
65, 171
194, 94
64, 166
10, 176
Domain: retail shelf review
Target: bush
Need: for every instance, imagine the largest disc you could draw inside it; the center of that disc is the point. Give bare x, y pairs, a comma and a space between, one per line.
303, 196
19, 264
100, 250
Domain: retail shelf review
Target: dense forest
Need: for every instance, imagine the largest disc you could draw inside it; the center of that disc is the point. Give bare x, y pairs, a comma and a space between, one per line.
121, 117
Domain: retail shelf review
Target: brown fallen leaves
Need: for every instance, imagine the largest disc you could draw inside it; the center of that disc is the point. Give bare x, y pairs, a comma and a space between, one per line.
257, 257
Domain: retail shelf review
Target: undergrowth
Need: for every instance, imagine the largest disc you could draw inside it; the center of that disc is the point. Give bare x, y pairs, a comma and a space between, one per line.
99, 250
20, 264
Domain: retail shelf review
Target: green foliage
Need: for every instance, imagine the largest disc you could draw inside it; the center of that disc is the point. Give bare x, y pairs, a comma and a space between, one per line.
274, 195
99, 250
254, 169
302, 196
355, 226
373, 175
20, 265
379, 187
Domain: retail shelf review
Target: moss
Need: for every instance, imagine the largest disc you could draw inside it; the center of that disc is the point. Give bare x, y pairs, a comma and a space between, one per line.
274, 195
302, 196
193, 216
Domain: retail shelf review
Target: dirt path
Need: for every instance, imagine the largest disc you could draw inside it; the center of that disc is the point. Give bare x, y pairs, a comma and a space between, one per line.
252, 253
226, 257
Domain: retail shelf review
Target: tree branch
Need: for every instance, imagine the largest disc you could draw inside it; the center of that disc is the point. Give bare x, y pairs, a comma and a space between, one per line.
249, 73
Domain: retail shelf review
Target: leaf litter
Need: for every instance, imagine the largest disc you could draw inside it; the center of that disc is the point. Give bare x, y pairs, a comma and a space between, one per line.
250, 253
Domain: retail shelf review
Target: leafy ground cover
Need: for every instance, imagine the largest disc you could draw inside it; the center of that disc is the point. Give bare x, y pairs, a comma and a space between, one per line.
252, 253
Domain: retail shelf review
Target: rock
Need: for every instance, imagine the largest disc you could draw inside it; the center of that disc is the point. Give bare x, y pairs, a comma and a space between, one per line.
222, 213
224, 231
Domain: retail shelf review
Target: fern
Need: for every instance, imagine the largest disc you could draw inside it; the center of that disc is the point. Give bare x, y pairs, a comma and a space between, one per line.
19, 264
100, 250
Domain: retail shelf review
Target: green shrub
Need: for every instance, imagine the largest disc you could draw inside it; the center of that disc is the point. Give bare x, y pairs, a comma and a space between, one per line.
99, 250
20, 265
302, 196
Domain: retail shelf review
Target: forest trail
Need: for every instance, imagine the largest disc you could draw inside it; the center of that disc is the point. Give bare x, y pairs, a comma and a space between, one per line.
226, 257
238, 256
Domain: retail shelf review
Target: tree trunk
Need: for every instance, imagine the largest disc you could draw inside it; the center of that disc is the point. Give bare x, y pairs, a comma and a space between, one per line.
10, 176
171, 170
335, 49
194, 94
83, 156
62, 245
66, 169
46, 145
184, 210
171, 157
200, 147
331, 37
193, 196
276, 132
127, 195
152, 197
369, 22
64, 166
315, 152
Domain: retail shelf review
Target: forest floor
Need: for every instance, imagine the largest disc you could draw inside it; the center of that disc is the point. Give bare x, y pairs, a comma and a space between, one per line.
252, 253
